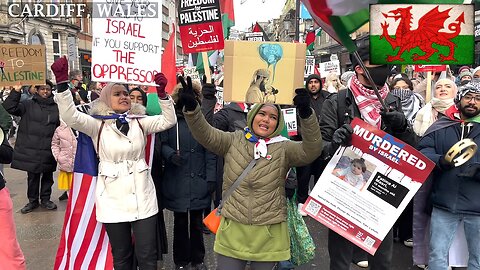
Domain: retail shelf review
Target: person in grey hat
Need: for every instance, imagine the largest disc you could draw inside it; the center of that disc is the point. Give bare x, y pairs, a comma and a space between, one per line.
455, 189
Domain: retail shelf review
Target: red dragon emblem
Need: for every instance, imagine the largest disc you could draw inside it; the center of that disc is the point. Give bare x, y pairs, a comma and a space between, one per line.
427, 33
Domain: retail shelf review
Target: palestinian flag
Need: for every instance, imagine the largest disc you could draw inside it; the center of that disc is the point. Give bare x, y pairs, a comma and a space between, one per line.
340, 18
228, 16
311, 36
422, 34
196, 60
259, 29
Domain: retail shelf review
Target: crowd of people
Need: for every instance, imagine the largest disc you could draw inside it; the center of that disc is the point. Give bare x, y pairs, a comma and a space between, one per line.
200, 153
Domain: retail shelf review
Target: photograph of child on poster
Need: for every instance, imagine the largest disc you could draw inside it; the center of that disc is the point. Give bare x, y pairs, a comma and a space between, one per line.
353, 169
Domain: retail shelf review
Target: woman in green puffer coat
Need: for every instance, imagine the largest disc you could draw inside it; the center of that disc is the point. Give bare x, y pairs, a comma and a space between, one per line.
253, 226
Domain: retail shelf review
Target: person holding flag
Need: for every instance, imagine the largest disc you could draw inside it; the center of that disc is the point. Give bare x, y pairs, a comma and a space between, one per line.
125, 197
360, 100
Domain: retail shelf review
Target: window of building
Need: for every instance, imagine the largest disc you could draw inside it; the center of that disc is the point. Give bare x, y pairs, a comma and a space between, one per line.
56, 46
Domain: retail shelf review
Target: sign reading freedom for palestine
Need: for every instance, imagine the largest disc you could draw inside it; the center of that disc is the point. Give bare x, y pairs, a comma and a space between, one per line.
22, 64
200, 25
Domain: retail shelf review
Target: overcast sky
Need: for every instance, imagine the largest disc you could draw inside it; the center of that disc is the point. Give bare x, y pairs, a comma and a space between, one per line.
252, 11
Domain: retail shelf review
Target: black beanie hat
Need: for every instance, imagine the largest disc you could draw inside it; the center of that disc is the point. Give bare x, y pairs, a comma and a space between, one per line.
364, 53
313, 76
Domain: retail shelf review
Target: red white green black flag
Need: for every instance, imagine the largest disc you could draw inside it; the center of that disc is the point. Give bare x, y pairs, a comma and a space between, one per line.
421, 34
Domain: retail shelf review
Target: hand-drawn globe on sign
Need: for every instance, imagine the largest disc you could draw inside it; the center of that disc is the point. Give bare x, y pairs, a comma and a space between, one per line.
272, 54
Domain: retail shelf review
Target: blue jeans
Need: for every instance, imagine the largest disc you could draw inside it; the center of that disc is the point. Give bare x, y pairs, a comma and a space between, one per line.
443, 226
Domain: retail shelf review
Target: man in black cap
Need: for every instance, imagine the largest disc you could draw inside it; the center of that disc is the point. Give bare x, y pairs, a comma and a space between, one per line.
360, 100
317, 97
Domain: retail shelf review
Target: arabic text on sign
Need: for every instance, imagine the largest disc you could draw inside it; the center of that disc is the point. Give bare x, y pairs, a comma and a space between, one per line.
121, 27
199, 16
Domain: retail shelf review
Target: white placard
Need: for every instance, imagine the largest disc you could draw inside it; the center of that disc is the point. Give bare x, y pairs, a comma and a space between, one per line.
126, 45
330, 66
192, 72
290, 118
309, 66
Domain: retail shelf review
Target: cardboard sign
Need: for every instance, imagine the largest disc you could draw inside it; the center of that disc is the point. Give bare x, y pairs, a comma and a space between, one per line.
290, 118
127, 49
200, 25
432, 68
263, 72
365, 187
309, 66
22, 64
330, 66
422, 34
192, 72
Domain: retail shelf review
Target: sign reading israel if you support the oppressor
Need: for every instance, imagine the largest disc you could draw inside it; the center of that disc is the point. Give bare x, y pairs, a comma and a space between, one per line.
365, 187
200, 25
22, 64
127, 41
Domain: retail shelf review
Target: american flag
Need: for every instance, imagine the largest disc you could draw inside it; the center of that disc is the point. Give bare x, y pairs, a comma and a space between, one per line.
84, 242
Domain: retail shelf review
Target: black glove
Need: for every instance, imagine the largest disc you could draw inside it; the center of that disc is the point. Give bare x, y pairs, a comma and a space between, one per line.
343, 135
176, 159
444, 164
394, 119
186, 95
211, 187
302, 102
208, 89
471, 170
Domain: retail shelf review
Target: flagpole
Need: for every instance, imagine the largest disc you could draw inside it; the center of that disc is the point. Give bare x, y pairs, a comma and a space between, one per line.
375, 89
206, 66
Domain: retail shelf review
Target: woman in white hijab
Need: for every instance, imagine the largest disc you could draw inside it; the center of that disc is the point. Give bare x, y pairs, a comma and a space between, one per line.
444, 92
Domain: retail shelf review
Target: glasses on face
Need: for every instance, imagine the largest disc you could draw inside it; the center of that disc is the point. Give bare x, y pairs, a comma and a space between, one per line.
469, 98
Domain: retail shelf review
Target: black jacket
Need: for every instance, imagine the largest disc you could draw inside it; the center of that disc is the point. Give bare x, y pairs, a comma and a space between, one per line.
185, 187
33, 150
6, 153
329, 122
230, 118
451, 192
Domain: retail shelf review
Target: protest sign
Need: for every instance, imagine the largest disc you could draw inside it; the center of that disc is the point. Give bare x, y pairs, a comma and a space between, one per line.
431, 68
127, 49
192, 72
263, 72
290, 118
365, 187
309, 66
22, 64
255, 36
330, 66
200, 25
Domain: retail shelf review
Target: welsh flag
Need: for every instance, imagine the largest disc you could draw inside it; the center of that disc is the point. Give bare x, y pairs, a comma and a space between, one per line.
228, 16
310, 38
422, 34
340, 18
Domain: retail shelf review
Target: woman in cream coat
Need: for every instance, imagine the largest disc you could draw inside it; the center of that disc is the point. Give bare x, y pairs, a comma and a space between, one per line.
125, 195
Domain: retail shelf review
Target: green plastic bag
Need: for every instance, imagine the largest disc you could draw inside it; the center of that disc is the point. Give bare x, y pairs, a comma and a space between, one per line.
302, 248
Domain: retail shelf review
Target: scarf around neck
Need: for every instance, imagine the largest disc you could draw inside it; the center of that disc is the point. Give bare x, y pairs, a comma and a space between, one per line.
367, 101
411, 103
260, 145
429, 114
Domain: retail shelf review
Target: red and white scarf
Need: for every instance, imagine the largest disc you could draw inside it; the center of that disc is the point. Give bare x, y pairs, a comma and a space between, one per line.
367, 101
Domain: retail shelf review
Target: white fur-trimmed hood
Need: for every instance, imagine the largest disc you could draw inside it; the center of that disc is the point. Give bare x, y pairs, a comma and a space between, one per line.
99, 107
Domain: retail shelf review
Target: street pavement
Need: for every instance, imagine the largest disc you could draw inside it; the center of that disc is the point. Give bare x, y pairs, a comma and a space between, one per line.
39, 233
